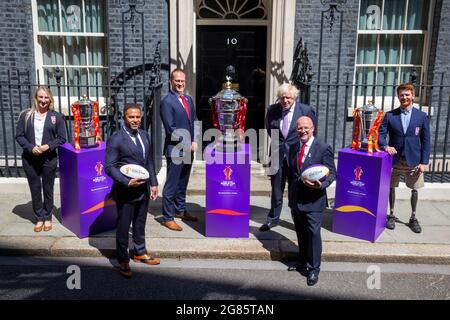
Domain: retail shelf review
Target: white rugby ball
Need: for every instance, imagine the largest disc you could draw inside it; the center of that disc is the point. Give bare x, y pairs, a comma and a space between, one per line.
135, 171
315, 172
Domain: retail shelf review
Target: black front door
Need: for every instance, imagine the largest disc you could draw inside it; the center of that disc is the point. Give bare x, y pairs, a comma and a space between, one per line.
244, 47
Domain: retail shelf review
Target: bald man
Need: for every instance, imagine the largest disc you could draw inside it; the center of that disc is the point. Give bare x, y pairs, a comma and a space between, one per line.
307, 198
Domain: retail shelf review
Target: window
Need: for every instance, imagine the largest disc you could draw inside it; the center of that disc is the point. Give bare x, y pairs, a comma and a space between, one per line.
392, 42
71, 35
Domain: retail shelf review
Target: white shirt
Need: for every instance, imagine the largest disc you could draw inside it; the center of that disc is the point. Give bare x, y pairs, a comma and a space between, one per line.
39, 121
289, 116
134, 140
308, 145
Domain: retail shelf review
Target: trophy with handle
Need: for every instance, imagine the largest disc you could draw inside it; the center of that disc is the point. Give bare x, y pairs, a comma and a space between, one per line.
86, 124
366, 123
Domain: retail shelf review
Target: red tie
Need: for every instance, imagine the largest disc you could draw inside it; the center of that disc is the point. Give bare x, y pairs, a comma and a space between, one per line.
186, 108
300, 157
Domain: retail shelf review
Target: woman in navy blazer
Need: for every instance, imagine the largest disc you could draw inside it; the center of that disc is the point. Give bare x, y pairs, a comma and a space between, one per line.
40, 131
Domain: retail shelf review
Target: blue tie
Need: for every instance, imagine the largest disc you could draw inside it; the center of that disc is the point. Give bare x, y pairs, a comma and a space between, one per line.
138, 142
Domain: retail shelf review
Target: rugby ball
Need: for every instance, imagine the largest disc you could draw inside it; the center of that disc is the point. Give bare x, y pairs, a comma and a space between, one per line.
315, 172
135, 171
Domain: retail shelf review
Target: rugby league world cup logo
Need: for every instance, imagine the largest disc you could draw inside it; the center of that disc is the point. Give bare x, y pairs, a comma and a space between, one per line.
227, 171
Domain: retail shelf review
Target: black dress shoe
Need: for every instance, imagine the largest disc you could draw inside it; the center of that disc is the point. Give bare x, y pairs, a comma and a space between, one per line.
302, 269
265, 227
312, 278
390, 224
414, 225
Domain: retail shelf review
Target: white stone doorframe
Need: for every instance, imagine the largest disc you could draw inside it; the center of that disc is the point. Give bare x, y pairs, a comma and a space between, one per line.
280, 43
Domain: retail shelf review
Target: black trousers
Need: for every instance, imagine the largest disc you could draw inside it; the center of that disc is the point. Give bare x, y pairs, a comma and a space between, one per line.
41, 180
307, 227
127, 213
278, 183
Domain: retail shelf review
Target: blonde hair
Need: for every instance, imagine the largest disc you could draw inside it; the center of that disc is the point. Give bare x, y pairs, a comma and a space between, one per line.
35, 106
287, 88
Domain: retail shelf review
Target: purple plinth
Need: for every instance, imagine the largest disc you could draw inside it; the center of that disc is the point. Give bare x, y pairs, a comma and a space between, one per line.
228, 193
85, 206
362, 193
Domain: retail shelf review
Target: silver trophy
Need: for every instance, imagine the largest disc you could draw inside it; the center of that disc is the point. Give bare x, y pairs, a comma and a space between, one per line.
228, 113
86, 123
367, 120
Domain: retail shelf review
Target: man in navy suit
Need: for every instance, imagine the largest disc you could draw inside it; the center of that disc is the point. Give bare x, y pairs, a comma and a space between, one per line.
131, 145
307, 198
282, 117
409, 141
178, 117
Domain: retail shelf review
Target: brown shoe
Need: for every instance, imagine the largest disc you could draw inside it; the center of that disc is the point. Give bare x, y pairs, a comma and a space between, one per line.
186, 216
38, 228
47, 227
124, 270
172, 225
146, 259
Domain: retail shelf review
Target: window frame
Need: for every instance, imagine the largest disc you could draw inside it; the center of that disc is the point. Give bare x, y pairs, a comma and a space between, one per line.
427, 34
66, 99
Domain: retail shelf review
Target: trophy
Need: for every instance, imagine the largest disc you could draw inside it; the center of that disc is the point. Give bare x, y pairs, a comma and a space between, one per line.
366, 122
229, 109
86, 124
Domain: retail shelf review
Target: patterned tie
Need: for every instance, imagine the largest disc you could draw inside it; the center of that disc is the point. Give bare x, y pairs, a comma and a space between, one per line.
138, 142
300, 157
285, 123
185, 105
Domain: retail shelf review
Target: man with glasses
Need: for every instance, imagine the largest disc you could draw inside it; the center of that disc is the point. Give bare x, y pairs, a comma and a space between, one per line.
282, 117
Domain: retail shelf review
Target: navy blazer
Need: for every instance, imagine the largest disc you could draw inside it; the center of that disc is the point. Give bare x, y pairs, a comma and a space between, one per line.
273, 121
302, 197
121, 150
415, 144
54, 134
174, 117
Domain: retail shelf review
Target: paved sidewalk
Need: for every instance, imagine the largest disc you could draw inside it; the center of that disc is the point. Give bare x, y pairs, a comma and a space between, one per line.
400, 245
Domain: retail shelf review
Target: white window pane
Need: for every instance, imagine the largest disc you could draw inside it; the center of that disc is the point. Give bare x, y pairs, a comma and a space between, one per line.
52, 50
78, 80
367, 45
394, 13
72, 16
370, 15
417, 14
387, 77
97, 77
75, 51
97, 51
365, 78
413, 49
48, 15
389, 49
94, 15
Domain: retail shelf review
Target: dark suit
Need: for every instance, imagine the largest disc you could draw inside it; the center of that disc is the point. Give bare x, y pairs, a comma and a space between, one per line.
176, 144
307, 203
42, 166
132, 202
274, 118
414, 145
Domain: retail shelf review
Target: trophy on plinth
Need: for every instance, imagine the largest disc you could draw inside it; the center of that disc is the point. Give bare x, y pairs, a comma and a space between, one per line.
229, 110
366, 122
86, 124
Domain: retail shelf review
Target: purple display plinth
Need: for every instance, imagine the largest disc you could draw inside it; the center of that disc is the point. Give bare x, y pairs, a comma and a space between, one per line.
362, 193
85, 206
228, 193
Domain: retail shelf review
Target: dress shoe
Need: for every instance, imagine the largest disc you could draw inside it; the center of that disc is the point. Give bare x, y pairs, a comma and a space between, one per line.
172, 225
267, 226
390, 224
302, 269
38, 228
185, 216
124, 270
312, 278
47, 227
146, 259
414, 225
